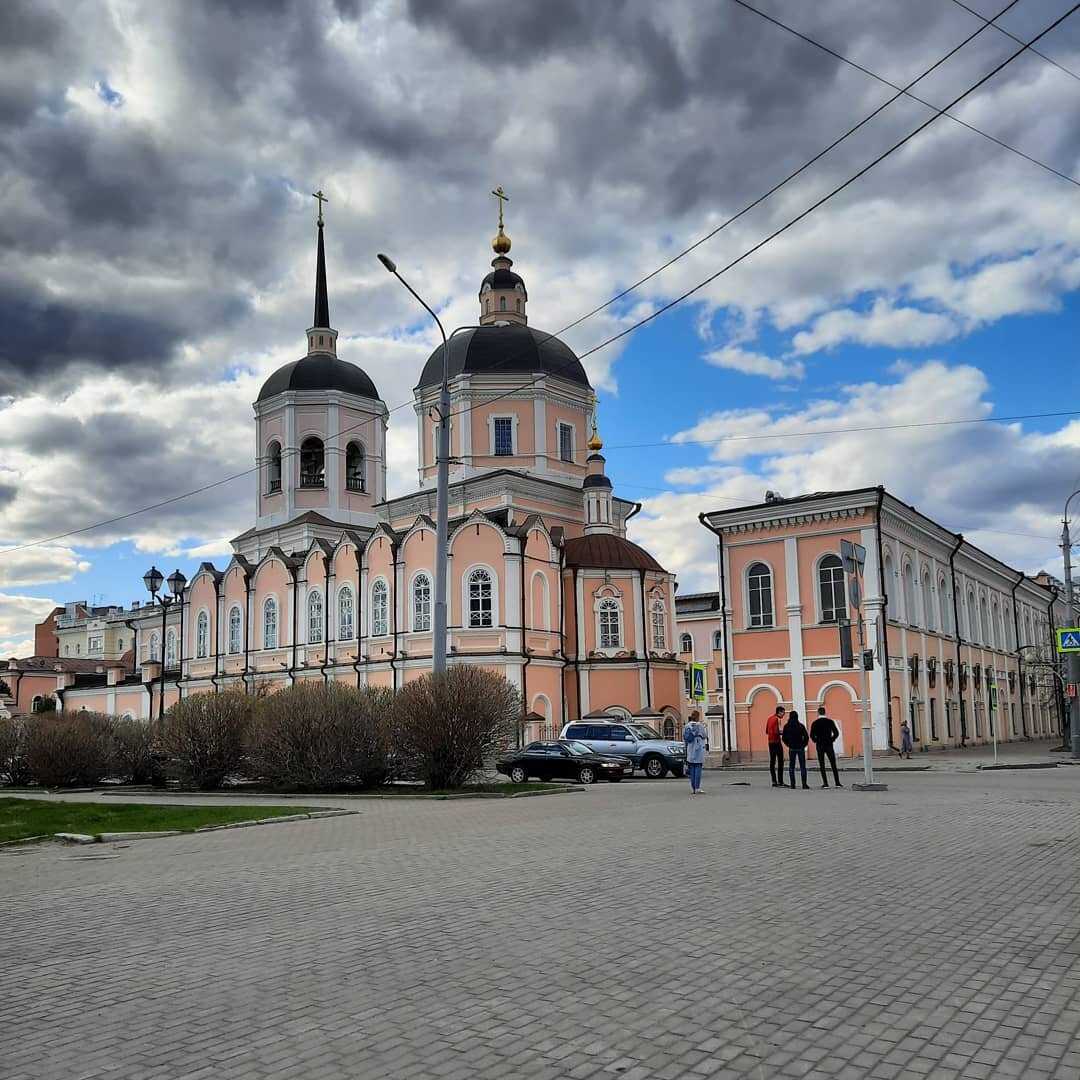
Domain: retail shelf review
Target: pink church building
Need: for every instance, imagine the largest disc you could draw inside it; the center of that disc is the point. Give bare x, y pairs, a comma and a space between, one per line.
335, 580
947, 625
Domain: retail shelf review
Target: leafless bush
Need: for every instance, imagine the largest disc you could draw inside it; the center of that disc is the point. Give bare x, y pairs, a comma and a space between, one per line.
14, 767
135, 759
322, 735
449, 723
69, 749
203, 737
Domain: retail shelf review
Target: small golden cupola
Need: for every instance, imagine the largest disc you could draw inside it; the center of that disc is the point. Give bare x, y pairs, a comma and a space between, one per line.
502, 292
596, 487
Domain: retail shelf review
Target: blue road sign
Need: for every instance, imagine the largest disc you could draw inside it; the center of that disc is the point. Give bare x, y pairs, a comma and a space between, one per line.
1068, 640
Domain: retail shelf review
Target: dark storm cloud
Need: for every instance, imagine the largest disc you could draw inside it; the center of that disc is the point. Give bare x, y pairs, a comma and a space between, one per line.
7, 494
25, 26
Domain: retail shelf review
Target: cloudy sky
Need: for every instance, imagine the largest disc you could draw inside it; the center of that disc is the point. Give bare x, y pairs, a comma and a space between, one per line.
157, 249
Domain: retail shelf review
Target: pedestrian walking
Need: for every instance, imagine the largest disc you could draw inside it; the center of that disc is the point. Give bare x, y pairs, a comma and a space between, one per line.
696, 739
776, 746
824, 733
905, 738
796, 738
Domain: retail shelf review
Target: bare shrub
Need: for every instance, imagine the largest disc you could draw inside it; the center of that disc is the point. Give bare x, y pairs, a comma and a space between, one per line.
14, 767
69, 749
135, 758
317, 735
450, 723
203, 737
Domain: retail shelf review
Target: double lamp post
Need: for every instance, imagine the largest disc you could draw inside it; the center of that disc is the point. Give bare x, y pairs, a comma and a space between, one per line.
153, 579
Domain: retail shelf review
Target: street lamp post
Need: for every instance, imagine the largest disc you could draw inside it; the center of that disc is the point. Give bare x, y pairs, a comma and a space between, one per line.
153, 580
1070, 614
442, 478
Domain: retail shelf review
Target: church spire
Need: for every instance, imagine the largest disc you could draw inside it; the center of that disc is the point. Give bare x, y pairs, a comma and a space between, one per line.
502, 292
321, 338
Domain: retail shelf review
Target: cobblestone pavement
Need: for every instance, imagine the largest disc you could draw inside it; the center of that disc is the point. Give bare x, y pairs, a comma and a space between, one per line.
626, 931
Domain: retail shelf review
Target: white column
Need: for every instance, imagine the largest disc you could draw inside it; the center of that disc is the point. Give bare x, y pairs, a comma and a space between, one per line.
511, 586
794, 617
873, 613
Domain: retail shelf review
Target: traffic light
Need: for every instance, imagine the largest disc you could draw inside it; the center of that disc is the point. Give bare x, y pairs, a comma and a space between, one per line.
847, 657
868, 660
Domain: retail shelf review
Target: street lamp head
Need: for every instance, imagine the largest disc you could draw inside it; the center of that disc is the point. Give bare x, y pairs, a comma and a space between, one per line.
177, 581
153, 579
389, 263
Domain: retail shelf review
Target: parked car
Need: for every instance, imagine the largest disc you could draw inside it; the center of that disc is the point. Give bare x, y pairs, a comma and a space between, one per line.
562, 760
641, 745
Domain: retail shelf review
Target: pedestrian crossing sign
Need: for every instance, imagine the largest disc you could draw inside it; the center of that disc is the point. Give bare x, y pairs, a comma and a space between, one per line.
1068, 640
697, 683
993, 698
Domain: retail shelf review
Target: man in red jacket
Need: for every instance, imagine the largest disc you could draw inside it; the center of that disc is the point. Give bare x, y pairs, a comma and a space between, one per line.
776, 746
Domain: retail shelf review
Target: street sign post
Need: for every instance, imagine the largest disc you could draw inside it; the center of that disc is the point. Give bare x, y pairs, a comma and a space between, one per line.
1068, 640
697, 683
993, 716
853, 557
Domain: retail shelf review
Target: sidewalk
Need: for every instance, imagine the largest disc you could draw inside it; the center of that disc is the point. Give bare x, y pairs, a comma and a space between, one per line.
1025, 754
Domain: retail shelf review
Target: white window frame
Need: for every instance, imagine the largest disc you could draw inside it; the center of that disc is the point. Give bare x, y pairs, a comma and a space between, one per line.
658, 624
421, 621
838, 613
909, 588
170, 648
153, 649
272, 640
683, 639
609, 601
559, 426
236, 640
316, 616
545, 600
944, 607
927, 587
362, 472
750, 624
346, 629
273, 459
202, 634
717, 641
513, 418
380, 611
466, 597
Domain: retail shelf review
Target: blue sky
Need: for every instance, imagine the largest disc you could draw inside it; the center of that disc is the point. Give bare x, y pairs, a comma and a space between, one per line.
159, 256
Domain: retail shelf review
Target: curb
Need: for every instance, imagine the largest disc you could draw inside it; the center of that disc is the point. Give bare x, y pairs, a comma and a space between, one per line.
174, 794
1020, 765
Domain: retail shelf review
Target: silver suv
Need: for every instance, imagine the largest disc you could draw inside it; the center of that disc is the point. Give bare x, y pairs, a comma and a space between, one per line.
645, 748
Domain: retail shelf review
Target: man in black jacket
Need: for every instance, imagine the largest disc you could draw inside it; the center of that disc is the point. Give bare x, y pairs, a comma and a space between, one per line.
824, 733
796, 738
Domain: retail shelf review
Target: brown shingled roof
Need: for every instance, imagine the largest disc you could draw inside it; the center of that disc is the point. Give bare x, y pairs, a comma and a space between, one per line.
605, 551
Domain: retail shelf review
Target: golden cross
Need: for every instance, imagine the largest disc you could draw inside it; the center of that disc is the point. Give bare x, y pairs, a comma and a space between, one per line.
502, 197
322, 198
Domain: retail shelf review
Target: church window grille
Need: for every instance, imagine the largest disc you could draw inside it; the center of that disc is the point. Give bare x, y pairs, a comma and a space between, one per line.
566, 442
312, 463
346, 618
202, 635
480, 599
610, 618
759, 582
235, 630
314, 617
273, 468
831, 589
270, 624
421, 603
504, 435
380, 609
354, 468
658, 622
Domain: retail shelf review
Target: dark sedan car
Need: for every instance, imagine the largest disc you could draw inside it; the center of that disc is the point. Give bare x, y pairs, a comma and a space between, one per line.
563, 760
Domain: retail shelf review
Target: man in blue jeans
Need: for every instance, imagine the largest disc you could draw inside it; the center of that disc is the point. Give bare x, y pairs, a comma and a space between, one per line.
796, 738
695, 737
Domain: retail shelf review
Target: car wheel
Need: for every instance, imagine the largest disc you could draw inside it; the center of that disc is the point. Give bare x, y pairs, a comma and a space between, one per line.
654, 767
518, 775
586, 775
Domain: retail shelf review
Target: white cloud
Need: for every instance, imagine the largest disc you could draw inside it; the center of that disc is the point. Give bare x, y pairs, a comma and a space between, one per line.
754, 363
39, 565
17, 616
884, 324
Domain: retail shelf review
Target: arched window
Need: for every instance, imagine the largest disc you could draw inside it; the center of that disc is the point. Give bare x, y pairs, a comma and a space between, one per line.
67, 650
120, 644
911, 610
170, 649
202, 635
686, 644
312, 463
971, 617
273, 467
236, 633
155, 646
609, 617
658, 622
355, 468
928, 602
480, 598
1010, 629
759, 587
831, 589
380, 609
421, 603
502, 303
517, 305
995, 625
487, 306
984, 611
346, 620
315, 614
270, 623
717, 641
944, 607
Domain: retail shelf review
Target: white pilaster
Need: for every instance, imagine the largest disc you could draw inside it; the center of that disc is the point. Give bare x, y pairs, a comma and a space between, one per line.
794, 617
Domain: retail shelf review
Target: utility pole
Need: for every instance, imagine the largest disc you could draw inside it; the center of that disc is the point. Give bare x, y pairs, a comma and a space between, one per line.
1073, 658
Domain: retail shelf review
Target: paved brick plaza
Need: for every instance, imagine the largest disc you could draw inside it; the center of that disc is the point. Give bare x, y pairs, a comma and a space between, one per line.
625, 931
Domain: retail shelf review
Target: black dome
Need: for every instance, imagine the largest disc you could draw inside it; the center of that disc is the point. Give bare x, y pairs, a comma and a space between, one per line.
319, 371
504, 279
513, 348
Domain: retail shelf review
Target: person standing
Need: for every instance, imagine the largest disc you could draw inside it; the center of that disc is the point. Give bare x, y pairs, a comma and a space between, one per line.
905, 738
776, 746
695, 737
796, 738
824, 733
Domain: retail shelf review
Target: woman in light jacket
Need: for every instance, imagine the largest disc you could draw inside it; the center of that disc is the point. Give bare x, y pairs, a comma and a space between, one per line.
695, 737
